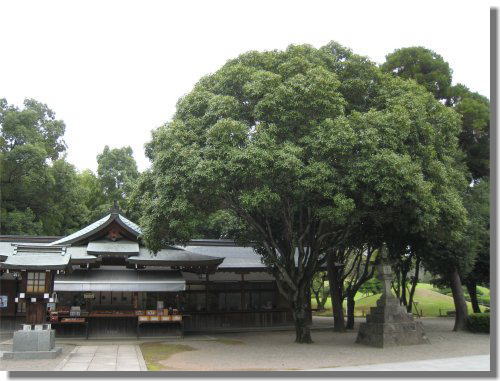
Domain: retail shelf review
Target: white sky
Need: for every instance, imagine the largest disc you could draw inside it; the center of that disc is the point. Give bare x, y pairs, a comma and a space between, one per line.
114, 70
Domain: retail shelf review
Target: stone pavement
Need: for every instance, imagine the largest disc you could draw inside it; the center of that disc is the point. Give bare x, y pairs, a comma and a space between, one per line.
469, 363
120, 357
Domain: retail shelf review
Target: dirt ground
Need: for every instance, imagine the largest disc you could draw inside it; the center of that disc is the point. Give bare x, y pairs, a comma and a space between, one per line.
277, 351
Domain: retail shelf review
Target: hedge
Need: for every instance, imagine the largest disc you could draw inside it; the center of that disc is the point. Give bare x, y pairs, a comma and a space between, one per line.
479, 322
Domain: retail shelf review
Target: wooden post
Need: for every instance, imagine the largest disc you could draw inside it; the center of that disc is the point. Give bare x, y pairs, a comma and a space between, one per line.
242, 289
206, 292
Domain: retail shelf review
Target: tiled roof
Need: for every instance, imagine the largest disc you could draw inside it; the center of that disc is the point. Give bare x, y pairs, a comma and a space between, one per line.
37, 257
96, 226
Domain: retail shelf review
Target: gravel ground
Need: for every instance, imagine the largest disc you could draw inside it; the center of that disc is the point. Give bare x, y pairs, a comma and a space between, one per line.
277, 351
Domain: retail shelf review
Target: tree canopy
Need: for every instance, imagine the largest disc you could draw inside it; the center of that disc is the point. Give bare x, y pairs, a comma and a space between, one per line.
304, 146
117, 174
430, 70
423, 65
40, 191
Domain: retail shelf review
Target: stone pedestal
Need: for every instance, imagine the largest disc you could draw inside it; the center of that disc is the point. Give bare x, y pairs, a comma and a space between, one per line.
37, 343
389, 324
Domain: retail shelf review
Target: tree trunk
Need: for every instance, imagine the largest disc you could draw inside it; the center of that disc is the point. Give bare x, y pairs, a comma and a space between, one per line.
413, 286
336, 291
350, 311
403, 300
300, 317
318, 301
459, 300
324, 298
472, 289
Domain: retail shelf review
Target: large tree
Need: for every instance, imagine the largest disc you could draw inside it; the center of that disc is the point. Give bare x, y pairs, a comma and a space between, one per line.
478, 235
430, 70
117, 173
39, 190
475, 135
303, 146
423, 65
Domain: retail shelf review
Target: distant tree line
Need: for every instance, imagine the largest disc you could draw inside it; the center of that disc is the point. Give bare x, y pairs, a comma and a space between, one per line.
43, 194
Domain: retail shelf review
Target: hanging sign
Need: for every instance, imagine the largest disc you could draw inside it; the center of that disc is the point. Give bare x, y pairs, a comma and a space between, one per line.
88, 295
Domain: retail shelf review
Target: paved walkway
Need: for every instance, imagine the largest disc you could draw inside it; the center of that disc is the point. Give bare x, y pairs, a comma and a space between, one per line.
119, 357
469, 363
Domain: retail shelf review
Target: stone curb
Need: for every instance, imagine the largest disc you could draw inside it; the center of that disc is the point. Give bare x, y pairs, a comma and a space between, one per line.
142, 363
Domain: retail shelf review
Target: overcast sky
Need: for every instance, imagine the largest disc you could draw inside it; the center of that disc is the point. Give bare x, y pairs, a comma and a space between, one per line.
114, 70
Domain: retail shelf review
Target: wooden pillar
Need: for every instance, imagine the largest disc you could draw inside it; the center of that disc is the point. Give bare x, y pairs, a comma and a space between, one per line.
135, 297
242, 289
206, 292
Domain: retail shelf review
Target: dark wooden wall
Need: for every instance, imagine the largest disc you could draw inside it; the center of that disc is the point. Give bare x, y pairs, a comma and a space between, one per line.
9, 288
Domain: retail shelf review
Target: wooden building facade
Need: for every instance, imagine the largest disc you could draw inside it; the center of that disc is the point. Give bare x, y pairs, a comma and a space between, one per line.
105, 282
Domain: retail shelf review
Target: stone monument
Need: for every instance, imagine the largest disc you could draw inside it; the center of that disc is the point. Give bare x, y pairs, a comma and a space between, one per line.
388, 324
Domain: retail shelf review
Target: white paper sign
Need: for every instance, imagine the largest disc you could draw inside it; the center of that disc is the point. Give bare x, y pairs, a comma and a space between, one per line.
3, 301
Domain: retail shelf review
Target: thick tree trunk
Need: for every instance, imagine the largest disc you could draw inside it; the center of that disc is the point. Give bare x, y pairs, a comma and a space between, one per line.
336, 292
300, 316
472, 290
350, 311
459, 300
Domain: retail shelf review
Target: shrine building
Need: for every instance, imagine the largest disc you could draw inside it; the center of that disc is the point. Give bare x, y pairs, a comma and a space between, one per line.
102, 281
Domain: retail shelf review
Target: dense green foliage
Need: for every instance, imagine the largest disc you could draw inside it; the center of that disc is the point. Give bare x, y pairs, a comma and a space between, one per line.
479, 322
423, 65
39, 190
41, 193
477, 202
117, 173
371, 287
307, 148
441, 253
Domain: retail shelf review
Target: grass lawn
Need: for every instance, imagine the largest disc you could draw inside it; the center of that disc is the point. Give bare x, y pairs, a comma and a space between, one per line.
155, 352
429, 302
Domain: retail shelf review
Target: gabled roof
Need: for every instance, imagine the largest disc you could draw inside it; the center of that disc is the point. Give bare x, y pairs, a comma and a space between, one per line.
97, 226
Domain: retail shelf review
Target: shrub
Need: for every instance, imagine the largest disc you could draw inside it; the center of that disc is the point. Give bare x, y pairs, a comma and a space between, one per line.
479, 322
444, 291
372, 286
484, 300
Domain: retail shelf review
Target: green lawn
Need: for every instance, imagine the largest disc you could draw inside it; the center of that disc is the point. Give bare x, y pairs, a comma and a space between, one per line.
429, 302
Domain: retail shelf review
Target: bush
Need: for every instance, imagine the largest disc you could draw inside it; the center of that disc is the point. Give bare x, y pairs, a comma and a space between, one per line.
444, 291
484, 300
479, 322
371, 286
